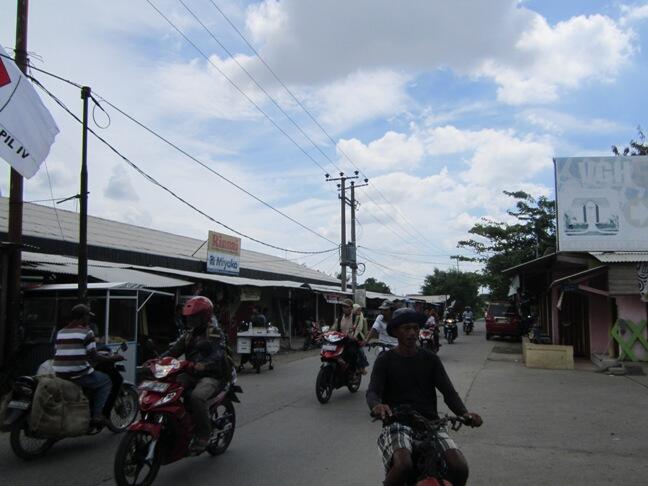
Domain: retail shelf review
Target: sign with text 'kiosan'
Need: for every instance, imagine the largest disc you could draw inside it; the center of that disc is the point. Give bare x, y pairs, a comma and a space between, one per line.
223, 253
602, 203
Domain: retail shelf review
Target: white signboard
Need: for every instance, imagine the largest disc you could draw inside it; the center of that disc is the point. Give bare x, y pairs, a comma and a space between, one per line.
223, 253
602, 203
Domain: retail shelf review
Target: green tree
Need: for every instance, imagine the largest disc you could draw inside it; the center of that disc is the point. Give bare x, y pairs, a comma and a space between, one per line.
460, 286
374, 285
500, 245
637, 146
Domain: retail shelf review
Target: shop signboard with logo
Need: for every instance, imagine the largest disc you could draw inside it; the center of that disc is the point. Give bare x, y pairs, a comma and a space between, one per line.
223, 253
602, 203
250, 294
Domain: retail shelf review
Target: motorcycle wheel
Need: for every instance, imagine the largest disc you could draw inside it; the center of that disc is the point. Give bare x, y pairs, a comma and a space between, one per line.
450, 338
223, 425
125, 410
323, 385
25, 445
130, 460
354, 382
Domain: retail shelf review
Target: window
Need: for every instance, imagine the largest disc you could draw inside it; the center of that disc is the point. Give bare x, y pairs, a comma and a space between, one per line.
122, 320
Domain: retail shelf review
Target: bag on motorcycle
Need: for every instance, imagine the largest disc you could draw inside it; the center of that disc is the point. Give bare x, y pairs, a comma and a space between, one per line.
59, 409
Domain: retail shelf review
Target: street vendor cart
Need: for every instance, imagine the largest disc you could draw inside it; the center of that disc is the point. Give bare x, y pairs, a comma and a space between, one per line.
256, 345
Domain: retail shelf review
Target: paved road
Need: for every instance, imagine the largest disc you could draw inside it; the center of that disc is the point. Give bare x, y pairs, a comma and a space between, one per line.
284, 436
556, 427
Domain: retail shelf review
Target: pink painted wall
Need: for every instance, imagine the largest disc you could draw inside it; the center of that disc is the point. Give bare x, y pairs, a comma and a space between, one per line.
600, 322
631, 307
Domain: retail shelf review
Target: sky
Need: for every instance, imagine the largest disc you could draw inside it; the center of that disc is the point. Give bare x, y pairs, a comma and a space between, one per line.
441, 105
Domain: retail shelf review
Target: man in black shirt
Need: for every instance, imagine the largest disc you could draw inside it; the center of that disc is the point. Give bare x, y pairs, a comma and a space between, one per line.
408, 375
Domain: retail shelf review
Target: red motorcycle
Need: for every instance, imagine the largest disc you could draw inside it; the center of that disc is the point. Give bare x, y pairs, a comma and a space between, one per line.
165, 430
315, 337
339, 356
429, 339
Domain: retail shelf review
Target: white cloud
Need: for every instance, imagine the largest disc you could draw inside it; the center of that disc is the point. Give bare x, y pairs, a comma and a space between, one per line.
633, 13
392, 151
560, 123
119, 187
548, 59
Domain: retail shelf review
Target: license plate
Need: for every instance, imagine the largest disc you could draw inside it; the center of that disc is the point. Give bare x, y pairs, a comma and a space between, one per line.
18, 404
329, 347
259, 350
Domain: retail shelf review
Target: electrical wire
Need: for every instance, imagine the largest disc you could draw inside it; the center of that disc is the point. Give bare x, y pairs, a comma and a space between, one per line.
58, 219
177, 148
319, 125
152, 180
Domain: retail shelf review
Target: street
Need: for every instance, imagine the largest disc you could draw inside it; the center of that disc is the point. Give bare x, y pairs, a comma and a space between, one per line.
559, 427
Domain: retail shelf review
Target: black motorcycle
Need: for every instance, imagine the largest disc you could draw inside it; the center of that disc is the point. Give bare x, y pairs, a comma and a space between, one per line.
450, 330
121, 410
429, 464
468, 325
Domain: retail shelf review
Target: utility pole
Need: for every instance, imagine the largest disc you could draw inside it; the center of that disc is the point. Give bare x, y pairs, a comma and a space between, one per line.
354, 204
16, 201
83, 213
343, 243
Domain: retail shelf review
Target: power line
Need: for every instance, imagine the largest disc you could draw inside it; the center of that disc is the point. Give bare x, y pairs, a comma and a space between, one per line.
258, 85
166, 189
261, 110
176, 147
319, 125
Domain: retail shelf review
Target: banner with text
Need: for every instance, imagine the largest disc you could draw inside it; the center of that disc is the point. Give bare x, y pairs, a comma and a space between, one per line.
223, 253
602, 203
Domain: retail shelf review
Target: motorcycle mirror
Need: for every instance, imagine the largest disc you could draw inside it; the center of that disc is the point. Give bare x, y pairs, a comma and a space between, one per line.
123, 346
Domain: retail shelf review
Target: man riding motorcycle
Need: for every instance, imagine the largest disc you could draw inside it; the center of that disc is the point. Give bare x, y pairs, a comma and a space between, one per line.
209, 365
468, 314
408, 375
353, 326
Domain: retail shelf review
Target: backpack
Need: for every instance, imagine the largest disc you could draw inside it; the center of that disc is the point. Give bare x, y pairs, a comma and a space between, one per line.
59, 408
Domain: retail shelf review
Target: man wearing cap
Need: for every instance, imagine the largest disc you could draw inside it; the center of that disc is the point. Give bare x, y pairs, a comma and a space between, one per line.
408, 375
75, 349
347, 324
379, 328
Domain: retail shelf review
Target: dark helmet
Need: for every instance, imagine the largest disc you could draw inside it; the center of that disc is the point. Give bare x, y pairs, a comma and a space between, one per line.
405, 316
199, 306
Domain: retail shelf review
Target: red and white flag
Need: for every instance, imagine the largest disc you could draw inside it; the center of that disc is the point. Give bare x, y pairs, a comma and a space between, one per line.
27, 129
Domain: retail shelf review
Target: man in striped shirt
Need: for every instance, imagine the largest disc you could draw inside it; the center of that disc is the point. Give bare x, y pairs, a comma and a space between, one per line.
75, 349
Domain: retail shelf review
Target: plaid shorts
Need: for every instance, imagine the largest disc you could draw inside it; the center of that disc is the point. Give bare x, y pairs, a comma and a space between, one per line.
398, 436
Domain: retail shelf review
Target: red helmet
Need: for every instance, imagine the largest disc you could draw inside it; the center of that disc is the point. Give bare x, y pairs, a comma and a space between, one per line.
199, 306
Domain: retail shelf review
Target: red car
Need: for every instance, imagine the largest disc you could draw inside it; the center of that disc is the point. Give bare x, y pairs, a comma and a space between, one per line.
502, 320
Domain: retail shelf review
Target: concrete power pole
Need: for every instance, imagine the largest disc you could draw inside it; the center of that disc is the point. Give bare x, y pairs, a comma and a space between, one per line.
354, 244
344, 257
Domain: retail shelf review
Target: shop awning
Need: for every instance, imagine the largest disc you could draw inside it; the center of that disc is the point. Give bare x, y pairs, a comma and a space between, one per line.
113, 274
577, 278
226, 279
326, 289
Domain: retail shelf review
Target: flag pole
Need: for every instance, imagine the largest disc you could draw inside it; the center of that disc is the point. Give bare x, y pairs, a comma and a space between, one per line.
16, 205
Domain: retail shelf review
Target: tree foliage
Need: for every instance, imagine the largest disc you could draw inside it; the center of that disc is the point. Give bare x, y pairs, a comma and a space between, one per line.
374, 285
637, 146
460, 286
500, 245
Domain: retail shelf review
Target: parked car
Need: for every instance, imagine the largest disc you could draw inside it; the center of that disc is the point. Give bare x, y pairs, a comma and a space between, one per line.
502, 320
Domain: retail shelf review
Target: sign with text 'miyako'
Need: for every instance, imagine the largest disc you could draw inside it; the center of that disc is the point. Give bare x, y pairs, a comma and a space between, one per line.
223, 253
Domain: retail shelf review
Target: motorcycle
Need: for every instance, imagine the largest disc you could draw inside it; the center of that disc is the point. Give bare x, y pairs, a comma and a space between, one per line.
468, 325
450, 330
315, 338
337, 370
121, 410
429, 339
429, 464
165, 430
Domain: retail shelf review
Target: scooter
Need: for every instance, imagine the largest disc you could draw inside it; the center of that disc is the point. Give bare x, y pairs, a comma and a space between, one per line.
467, 325
429, 339
165, 430
29, 444
337, 369
450, 330
315, 338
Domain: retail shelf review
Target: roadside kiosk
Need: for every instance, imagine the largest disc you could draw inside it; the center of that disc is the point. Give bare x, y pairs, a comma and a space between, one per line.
124, 313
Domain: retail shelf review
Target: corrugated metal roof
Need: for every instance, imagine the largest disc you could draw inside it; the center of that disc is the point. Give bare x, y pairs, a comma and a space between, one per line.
40, 221
621, 256
327, 289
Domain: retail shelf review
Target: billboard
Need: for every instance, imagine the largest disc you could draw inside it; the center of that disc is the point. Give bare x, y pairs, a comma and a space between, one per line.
602, 203
223, 253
